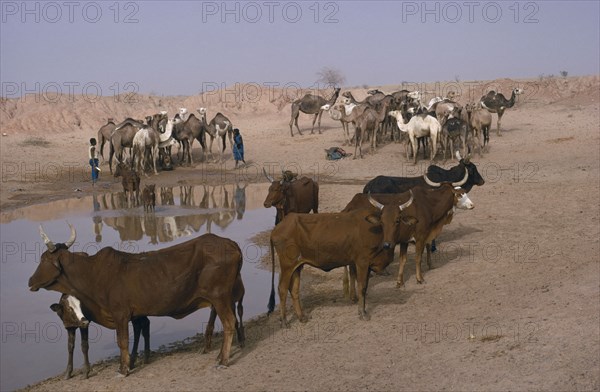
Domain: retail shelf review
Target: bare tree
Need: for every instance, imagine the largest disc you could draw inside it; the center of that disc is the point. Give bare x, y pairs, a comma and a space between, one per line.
331, 76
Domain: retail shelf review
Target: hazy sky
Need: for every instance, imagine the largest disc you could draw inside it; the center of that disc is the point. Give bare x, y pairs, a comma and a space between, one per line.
176, 48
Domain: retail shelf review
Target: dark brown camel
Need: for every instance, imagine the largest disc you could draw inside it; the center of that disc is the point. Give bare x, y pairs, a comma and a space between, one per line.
219, 127
495, 102
186, 132
311, 104
122, 137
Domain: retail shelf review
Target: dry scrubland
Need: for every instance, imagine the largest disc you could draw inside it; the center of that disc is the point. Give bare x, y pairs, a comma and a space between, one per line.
512, 303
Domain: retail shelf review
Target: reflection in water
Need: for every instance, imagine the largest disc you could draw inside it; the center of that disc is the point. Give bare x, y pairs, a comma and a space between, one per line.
31, 332
97, 219
181, 211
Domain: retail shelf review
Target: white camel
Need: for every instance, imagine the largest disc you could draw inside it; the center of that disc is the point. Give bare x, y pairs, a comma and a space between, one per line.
145, 138
419, 126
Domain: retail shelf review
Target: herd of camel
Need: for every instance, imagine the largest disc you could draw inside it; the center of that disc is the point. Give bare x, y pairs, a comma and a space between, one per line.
150, 141
443, 119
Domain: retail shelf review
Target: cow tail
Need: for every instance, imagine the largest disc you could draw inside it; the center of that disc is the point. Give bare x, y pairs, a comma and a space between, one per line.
316, 197
271, 305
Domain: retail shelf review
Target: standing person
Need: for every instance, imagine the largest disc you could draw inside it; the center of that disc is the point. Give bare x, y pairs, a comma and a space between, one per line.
238, 147
93, 155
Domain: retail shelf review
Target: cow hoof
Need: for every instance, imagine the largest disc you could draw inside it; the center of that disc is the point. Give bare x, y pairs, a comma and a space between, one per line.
365, 316
285, 324
303, 319
123, 371
68, 376
220, 366
399, 285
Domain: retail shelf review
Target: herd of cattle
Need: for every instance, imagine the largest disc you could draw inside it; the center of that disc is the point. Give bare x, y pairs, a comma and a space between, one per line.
114, 287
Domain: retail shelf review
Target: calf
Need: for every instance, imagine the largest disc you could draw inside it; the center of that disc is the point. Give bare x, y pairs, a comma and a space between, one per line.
130, 181
70, 312
149, 197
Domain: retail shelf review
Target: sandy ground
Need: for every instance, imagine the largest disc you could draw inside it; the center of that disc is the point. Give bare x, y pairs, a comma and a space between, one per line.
513, 302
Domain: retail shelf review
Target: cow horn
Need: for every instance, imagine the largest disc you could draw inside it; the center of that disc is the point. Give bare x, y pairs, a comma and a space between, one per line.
71, 239
268, 176
49, 244
465, 178
458, 155
467, 159
431, 183
408, 203
375, 203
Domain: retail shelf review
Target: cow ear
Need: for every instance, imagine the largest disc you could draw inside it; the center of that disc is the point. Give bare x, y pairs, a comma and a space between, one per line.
55, 307
373, 219
409, 220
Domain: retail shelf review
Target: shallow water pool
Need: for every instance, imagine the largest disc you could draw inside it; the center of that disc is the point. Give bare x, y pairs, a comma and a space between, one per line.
34, 342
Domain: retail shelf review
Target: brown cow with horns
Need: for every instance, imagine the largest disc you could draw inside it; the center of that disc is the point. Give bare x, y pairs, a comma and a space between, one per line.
361, 239
292, 195
116, 286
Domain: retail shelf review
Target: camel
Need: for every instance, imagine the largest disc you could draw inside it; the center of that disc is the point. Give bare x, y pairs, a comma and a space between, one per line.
452, 133
146, 137
346, 114
186, 132
419, 126
377, 100
495, 102
366, 124
374, 96
443, 107
122, 137
479, 122
311, 104
220, 126
382, 106
105, 133
352, 100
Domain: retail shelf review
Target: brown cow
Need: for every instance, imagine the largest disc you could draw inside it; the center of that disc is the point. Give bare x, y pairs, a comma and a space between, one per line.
238, 296
432, 208
292, 195
358, 239
116, 286
72, 316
